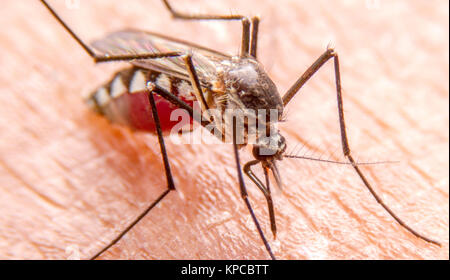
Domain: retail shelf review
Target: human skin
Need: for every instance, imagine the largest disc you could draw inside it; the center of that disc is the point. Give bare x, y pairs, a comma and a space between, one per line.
70, 181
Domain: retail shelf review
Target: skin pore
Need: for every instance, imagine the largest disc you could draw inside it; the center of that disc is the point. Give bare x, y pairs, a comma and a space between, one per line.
70, 181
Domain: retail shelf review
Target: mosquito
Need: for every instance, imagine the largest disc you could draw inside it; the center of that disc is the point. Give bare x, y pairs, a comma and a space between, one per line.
168, 73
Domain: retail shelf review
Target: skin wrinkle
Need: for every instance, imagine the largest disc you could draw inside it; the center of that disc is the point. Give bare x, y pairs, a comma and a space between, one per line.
422, 173
303, 212
29, 186
368, 112
133, 174
354, 216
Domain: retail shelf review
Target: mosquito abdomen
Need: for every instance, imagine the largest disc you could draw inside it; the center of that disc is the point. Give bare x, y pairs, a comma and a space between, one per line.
124, 99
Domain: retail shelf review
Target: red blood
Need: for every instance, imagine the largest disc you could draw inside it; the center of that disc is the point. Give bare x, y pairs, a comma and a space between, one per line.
140, 113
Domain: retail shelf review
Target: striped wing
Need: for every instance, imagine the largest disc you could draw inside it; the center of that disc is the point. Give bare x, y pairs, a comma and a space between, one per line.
128, 42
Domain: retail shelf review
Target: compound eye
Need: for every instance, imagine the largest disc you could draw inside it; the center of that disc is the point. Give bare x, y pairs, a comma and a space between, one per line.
281, 141
282, 145
263, 153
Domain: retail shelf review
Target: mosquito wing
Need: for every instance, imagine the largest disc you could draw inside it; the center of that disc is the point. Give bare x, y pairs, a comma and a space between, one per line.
128, 42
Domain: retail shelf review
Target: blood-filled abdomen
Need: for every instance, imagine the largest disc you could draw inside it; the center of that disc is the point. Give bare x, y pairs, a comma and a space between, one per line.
125, 100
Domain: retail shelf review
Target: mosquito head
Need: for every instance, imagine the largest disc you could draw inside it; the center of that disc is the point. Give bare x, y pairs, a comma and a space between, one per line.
246, 79
268, 149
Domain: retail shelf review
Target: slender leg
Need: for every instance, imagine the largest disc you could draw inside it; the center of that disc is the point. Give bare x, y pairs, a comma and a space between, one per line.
330, 53
104, 58
195, 82
170, 183
244, 193
131, 225
264, 190
254, 37
247, 36
162, 146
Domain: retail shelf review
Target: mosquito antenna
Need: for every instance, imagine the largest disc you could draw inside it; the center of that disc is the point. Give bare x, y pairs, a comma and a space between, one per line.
339, 162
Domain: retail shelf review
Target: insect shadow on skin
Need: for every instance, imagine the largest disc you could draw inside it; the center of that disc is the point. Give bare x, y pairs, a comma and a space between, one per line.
167, 71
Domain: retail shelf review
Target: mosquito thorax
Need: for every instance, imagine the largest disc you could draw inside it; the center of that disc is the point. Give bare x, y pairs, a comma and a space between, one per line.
245, 78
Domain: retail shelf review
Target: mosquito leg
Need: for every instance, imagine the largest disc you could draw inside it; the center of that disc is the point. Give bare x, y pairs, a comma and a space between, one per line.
106, 58
247, 36
195, 82
170, 183
264, 190
131, 225
254, 37
162, 146
110, 58
245, 44
244, 193
330, 53
307, 75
